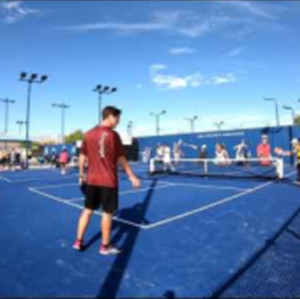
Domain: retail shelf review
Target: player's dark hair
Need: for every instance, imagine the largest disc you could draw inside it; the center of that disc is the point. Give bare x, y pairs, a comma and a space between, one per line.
110, 110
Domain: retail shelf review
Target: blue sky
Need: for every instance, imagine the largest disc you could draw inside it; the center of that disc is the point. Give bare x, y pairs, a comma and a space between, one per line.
213, 59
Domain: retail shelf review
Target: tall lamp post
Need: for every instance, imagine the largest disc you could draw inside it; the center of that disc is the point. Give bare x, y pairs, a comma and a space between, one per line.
7, 102
30, 79
292, 112
157, 118
20, 123
219, 124
101, 89
276, 109
63, 107
192, 120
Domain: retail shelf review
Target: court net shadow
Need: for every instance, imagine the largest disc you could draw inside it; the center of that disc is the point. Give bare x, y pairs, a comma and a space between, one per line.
137, 213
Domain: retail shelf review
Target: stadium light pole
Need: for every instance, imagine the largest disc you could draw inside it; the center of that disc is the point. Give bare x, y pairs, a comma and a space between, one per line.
219, 124
30, 79
20, 123
192, 120
63, 107
7, 102
101, 89
292, 112
157, 118
276, 109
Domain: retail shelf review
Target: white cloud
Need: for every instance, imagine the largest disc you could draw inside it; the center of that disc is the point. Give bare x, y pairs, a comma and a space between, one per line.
169, 81
157, 67
123, 27
234, 52
181, 51
256, 9
228, 78
14, 11
160, 21
186, 23
193, 24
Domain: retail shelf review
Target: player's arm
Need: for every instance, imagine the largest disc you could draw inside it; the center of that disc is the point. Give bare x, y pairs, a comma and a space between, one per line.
82, 161
124, 163
127, 169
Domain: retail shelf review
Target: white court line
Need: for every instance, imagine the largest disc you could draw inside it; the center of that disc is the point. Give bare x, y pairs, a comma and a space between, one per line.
56, 185
212, 205
144, 189
5, 179
44, 178
77, 184
120, 193
81, 207
172, 219
205, 186
75, 199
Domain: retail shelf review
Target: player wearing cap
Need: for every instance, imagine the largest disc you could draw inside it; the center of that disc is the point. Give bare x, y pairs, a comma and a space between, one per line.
102, 149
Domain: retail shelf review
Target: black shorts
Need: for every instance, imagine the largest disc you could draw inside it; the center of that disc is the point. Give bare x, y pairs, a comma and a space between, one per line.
106, 197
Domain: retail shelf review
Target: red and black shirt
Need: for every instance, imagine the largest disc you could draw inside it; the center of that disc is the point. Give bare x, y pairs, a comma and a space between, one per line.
102, 146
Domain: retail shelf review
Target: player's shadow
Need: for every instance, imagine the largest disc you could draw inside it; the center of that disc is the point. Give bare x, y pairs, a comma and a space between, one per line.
133, 214
129, 235
169, 294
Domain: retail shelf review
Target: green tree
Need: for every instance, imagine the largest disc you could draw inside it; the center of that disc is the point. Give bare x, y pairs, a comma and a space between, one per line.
77, 135
297, 120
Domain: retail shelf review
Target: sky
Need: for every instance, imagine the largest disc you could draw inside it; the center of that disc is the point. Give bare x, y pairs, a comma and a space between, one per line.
211, 59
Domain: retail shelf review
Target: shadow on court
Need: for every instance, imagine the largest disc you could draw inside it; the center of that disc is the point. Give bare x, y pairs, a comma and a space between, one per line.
137, 213
169, 294
133, 214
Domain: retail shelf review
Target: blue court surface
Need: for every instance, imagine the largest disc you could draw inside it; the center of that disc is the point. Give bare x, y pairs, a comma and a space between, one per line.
181, 236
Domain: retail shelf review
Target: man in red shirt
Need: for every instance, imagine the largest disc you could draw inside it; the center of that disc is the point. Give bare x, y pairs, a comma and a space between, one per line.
102, 149
264, 151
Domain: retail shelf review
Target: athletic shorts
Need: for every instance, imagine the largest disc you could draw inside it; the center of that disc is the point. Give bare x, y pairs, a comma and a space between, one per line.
105, 197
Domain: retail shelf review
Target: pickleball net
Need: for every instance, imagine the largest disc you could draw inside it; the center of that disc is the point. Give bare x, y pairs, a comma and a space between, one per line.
272, 168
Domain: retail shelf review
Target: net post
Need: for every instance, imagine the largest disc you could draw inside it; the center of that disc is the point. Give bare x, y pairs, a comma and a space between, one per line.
205, 166
152, 165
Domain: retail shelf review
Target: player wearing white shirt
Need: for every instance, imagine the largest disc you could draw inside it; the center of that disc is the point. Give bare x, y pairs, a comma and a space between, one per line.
222, 157
159, 152
177, 152
167, 158
241, 151
146, 154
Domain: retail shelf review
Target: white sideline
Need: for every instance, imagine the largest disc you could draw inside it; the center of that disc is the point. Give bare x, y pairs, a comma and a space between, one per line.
5, 179
161, 184
120, 193
206, 186
215, 204
171, 219
81, 208
44, 178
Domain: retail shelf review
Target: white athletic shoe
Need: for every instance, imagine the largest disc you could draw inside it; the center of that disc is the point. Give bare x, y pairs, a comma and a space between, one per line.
109, 250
